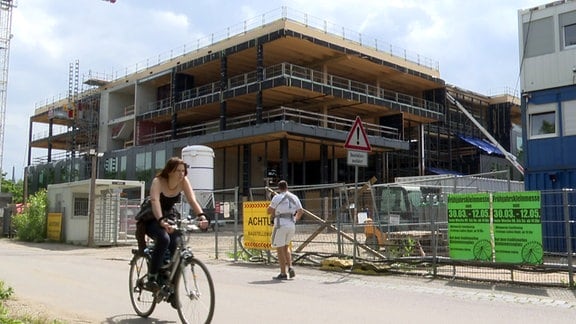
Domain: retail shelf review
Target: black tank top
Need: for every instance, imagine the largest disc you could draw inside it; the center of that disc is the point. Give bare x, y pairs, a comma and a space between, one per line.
168, 202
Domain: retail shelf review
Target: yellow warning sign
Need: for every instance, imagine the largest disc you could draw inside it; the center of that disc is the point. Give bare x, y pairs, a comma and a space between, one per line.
257, 225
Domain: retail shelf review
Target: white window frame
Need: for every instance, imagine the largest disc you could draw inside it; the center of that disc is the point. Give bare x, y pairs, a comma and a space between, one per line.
535, 110
573, 37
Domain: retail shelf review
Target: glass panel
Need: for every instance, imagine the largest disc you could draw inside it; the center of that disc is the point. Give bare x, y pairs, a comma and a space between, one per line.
570, 35
538, 37
144, 166
110, 168
541, 124
123, 160
159, 160
75, 176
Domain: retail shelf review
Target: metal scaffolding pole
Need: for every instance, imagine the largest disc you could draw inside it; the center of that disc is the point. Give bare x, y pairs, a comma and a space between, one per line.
5, 36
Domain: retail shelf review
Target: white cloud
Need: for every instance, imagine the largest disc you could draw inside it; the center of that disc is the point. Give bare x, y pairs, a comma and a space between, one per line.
35, 32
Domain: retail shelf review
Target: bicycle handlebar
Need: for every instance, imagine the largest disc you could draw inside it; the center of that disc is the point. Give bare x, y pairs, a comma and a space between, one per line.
185, 225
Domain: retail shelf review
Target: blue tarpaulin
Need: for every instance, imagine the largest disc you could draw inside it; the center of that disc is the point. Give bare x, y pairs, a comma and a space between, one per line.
481, 144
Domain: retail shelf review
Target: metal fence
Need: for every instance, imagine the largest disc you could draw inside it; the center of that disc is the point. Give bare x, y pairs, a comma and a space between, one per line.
412, 240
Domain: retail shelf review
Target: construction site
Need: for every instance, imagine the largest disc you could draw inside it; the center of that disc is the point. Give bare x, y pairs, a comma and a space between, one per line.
281, 96
275, 99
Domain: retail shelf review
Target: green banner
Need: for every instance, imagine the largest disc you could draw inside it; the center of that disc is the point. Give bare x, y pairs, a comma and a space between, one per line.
469, 226
517, 227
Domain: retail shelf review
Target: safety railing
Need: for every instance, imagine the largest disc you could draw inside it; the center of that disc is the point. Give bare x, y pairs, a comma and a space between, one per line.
280, 114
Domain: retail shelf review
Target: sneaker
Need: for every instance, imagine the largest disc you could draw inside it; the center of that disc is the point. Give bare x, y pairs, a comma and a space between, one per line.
152, 285
291, 272
281, 276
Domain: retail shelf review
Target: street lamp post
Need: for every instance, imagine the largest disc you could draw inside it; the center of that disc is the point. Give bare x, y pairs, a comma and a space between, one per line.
92, 196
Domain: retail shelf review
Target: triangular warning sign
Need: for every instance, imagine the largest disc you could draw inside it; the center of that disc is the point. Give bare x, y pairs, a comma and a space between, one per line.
357, 139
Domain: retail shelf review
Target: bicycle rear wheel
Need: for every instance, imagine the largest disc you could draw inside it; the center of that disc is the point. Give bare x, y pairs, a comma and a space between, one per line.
258, 255
195, 293
142, 300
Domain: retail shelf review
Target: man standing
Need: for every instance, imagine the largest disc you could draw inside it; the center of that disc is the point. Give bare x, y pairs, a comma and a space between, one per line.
285, 209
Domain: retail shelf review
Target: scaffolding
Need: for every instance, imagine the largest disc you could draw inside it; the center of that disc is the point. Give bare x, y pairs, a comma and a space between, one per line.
442, 148
82, 109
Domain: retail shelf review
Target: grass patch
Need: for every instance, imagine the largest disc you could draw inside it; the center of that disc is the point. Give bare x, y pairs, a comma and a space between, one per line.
6, 316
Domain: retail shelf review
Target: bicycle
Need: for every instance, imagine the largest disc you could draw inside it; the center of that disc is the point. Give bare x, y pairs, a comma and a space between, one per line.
257, 255
184, 280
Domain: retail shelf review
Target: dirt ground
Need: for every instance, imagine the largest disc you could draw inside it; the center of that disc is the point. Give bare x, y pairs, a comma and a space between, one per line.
22, 308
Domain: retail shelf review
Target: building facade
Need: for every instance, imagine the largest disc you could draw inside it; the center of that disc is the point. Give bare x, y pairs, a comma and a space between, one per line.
548, 80
547, 35
274, 101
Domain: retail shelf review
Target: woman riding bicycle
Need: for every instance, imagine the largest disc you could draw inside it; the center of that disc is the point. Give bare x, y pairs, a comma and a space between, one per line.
165, 192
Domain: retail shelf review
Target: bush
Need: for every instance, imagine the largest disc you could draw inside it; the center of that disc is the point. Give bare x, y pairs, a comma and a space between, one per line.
5, 293
30, 226
19, 317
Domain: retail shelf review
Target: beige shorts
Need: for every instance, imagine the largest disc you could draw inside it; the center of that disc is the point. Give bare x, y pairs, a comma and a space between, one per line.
282, 235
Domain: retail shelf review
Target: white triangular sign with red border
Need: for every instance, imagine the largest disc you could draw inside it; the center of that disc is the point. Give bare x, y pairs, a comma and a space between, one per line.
357, 139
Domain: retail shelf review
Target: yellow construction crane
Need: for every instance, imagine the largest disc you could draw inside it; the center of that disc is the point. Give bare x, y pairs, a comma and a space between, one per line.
6, 7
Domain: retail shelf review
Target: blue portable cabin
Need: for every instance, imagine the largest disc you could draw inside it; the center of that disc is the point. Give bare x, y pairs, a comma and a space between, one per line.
547, 48
550, 159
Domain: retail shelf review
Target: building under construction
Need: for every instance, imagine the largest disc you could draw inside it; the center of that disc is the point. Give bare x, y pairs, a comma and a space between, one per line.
275, 99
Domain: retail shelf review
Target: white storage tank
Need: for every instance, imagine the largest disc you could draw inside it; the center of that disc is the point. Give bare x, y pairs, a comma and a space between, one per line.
200, 160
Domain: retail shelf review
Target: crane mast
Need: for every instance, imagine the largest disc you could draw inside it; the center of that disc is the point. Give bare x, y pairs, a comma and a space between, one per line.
6, 7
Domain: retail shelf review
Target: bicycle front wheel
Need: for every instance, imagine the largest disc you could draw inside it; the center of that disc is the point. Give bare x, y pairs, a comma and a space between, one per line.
142, 299
195, 293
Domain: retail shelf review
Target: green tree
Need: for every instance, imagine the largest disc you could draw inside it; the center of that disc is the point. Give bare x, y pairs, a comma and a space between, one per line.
547, 127
31, 224
15, 188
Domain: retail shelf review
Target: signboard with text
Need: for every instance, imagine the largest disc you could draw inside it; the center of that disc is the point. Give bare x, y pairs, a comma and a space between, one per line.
517, 227
357, 158
257, 225
500, 227
469, 226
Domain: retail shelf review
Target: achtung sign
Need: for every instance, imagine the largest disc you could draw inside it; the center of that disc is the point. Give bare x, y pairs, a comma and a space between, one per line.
257, 226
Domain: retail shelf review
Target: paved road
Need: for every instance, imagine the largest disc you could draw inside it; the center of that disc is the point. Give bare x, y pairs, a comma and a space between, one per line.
83, 285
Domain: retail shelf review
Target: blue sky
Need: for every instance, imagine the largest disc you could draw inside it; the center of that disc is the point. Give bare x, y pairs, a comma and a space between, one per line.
475, 42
